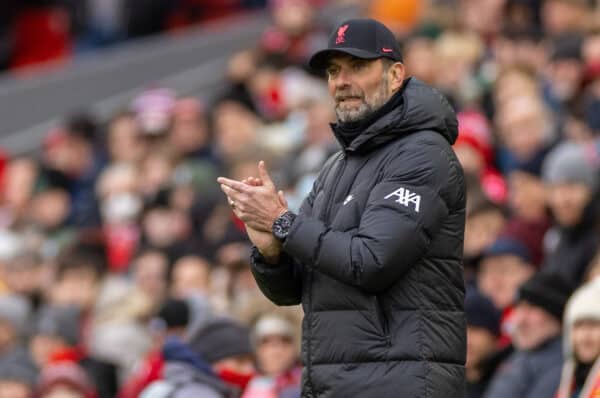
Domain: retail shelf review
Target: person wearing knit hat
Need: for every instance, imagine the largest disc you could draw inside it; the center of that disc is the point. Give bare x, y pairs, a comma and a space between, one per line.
504, 266
573, 181
56, 329
65, 380
581, 370
215, 361
533, 370
277, 358
570, 163
474, 150
483, 331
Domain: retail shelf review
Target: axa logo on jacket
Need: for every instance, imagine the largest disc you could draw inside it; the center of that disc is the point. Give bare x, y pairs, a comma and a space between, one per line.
406, 198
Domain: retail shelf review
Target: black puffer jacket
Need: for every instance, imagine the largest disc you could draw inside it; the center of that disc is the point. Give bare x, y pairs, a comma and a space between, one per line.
375, 258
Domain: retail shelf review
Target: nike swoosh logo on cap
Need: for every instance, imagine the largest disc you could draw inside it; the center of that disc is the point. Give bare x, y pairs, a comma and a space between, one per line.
387, 50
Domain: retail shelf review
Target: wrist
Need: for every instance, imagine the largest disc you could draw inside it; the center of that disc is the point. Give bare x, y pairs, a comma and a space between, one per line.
282, 225
270, 255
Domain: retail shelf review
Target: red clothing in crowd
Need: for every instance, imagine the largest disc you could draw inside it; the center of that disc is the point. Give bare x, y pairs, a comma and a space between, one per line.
41, 35
150, 371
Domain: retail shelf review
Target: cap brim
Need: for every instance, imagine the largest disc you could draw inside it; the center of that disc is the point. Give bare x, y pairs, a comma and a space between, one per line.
320, 60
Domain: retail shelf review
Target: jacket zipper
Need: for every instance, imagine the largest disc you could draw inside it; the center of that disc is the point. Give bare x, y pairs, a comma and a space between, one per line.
324, 215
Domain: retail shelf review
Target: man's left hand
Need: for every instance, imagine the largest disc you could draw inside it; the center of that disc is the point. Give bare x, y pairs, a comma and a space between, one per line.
258, 206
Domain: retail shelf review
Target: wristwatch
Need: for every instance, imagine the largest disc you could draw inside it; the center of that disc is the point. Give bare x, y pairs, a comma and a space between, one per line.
282, 225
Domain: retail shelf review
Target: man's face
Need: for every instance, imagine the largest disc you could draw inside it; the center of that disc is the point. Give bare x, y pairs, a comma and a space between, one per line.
358, 86
481, 230
533, 326
568, 201
78, 287
42, 347
586, 340
499, 278
190, 275
527, 195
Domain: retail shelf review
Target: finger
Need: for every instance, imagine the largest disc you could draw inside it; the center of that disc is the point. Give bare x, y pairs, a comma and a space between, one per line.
255, 182
230, 192
264, 174
233, 184
282, 199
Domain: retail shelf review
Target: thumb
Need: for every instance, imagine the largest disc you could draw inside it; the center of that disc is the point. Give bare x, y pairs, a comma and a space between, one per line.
282, 199
264, 174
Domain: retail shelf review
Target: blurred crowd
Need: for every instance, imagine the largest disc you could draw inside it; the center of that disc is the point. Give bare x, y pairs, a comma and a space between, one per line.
124, 273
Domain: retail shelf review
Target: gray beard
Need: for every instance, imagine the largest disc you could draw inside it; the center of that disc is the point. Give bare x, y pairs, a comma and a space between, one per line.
367, 108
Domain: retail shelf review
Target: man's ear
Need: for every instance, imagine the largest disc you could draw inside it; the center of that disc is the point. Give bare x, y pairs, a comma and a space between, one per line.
397, 73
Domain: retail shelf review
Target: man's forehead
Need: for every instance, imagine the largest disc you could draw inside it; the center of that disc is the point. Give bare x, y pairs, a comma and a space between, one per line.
340, 59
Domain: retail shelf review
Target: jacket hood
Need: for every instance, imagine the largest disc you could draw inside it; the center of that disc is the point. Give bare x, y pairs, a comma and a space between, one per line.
183, 374
175, 350
423, 108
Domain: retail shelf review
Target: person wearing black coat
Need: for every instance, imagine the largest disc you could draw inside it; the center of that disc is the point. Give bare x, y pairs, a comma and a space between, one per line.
375, 253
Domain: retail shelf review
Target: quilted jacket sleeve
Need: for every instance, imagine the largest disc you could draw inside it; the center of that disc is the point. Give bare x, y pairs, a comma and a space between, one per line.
282, 283
403, 212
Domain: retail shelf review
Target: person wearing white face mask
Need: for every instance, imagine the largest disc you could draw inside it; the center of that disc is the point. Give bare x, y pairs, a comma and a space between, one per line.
120, 206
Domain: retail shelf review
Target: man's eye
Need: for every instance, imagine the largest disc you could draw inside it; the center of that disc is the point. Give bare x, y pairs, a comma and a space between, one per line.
332, 71
358, 66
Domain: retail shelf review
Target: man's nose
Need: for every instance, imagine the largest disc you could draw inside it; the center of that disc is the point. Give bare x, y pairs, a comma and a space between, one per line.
341, 80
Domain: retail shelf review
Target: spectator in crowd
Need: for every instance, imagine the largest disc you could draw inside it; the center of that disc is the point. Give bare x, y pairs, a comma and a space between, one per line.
533, 370
277, 359
18, 376
150, 269
215, 362
483, 332
171, 321
14, 318
474, 149
563, 16
581, 371
503, 268
56, 339
191, 281
485, 220
65, 380
73, 162
572, 197
23, 272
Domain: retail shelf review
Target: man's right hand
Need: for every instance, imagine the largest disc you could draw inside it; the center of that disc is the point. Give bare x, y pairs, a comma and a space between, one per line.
268, 246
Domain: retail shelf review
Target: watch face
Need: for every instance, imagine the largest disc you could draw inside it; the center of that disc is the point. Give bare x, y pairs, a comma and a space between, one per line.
281, 226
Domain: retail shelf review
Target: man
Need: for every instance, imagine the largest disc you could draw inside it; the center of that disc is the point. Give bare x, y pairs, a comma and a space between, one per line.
483, 339
504, 266
533, 370
573, 184
215, 361
374, 254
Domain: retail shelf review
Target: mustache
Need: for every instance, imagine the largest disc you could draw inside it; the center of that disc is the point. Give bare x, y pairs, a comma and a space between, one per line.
342, 95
